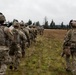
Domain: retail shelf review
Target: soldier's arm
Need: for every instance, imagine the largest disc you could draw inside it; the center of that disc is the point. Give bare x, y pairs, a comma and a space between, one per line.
66, 42
8, 33
67, 37
8, 36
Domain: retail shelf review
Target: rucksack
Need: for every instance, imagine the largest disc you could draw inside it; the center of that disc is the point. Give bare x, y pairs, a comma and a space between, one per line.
15, 41
3, 48
16, 36
2, 36
73, 36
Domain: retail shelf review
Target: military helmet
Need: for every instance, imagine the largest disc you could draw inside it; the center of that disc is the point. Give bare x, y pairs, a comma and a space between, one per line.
22, 23
15, 20
73, 23
2, 18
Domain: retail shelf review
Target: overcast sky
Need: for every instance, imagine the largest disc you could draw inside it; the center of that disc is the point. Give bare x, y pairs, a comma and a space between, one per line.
36, 10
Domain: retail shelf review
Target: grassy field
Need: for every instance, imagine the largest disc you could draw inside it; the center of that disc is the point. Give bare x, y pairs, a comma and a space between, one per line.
44, 56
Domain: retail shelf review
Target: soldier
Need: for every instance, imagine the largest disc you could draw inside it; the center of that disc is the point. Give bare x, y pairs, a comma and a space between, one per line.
33, 33
40, 30
69, 47
18, 38
4, 56
26, 32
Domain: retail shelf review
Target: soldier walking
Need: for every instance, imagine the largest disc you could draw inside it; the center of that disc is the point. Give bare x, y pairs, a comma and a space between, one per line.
26, 32
18, 38
69, 48
4, 48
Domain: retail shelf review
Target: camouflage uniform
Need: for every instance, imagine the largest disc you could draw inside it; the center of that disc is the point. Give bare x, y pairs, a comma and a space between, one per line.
26, 32
4, 56
18, 37
40, 30
33, 33
70, 41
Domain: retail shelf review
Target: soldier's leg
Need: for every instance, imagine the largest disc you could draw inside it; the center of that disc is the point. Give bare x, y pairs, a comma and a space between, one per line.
12, 62
68, 63
23, 49
23, 53
28, 42
18, 55
17, 62
31, 38
74, 64
28, 39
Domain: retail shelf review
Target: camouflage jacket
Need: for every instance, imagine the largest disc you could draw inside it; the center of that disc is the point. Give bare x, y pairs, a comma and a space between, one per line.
70, 36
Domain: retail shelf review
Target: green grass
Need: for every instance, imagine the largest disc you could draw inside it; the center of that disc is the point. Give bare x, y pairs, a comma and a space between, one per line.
42, 58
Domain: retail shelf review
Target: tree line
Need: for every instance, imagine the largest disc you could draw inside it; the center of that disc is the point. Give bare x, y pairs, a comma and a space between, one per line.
52, 25
46, 25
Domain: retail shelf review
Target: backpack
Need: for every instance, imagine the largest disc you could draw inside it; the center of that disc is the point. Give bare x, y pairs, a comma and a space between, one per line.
2, 36
16, 36
73, 36
3, 48
15, 41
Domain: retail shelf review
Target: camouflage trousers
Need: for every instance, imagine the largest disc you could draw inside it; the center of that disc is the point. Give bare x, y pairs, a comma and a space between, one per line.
71, 63
15, 58
14, 62
4, 59
23, 46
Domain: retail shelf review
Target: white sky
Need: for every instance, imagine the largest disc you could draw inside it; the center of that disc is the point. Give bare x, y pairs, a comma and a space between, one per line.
36, 10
